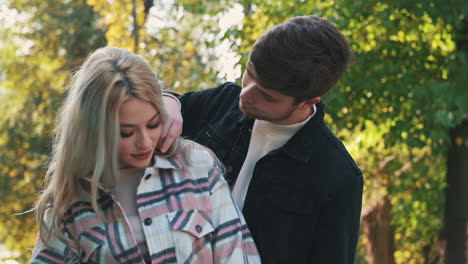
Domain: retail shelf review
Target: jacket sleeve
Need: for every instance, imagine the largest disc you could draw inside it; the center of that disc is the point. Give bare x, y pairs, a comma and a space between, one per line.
197, 105
339, 224
232, 241
54, 252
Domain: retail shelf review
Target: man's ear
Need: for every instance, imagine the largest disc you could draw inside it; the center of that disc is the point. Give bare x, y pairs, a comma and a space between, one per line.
309, 102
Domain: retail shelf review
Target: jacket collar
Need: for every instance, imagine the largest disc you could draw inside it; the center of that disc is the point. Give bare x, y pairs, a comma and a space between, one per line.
302, 144
159, 163
167, 162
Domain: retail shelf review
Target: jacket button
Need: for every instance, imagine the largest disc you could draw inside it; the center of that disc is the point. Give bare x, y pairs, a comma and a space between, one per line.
198, 228
148, 221
147, 176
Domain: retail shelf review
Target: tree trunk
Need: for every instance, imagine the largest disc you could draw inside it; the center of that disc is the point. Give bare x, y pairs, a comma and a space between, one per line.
136, 37
247, 4
456, 208
376, 226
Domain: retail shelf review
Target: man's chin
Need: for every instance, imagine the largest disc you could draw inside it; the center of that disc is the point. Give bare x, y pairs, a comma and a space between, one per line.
252, 116
246, 112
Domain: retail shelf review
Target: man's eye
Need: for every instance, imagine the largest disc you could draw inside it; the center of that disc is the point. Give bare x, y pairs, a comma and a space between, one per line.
125, 135
154, 126
269, 99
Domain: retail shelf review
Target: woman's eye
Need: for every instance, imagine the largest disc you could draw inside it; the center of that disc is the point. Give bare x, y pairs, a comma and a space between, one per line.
154, 126
125, 135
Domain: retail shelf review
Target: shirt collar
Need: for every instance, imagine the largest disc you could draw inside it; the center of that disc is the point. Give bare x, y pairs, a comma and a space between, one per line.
166, 162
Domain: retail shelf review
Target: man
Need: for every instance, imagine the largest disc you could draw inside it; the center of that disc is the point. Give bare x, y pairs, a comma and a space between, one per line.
299, 189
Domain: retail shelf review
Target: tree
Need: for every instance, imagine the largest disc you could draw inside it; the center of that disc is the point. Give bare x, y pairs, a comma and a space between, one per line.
456, 206
177, 37
428, 93
396, 104
401, 108
38, 55
37, 58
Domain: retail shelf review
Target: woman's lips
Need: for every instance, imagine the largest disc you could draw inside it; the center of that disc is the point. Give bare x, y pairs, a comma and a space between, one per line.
142, 156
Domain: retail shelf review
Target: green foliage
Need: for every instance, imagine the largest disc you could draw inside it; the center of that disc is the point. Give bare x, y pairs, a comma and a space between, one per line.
416, 89
116, 17
183, 53
37, 59
24, 137
182, 44
415, 95
178, 38
393, 108
207, 7
402, 81
395, 104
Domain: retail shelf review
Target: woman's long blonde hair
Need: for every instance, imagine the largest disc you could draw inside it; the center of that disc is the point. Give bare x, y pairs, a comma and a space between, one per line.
86, 144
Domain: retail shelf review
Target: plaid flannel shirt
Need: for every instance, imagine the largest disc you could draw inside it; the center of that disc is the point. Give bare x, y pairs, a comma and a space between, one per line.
187, 214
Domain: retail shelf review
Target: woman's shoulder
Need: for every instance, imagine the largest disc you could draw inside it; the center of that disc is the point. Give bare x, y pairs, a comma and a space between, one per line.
202, 165
196, 155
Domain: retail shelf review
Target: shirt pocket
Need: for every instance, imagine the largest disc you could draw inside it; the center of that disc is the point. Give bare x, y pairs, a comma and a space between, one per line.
192, 231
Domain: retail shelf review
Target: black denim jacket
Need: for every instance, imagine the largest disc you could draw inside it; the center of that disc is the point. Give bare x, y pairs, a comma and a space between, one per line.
304, 201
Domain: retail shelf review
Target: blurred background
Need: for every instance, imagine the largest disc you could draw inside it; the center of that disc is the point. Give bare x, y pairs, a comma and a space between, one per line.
401, 108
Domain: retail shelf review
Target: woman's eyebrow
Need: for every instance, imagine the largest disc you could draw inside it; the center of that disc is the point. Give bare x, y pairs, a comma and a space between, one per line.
154, 117
131, 125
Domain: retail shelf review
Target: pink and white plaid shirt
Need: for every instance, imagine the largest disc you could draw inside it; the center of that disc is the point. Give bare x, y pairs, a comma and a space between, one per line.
187, 214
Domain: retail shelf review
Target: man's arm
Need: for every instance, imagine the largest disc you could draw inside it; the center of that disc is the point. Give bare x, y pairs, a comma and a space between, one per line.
340, 222
186, 116
184, 113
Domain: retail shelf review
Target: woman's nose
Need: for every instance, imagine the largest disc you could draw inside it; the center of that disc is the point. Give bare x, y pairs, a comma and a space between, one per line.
144, 141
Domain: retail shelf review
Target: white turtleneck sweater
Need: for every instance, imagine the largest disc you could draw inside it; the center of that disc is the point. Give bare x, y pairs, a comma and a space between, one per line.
266, 136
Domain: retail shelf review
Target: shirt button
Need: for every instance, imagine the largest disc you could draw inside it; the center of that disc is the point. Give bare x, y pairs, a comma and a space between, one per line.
229, 169
198, 228
148, 221
147, 176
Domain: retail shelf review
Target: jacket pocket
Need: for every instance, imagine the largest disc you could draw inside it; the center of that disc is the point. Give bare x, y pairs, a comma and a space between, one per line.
207, 137
190, 221
292, 200
191, 229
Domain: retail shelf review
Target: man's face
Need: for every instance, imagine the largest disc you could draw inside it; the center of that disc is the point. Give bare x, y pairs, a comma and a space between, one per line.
265, 104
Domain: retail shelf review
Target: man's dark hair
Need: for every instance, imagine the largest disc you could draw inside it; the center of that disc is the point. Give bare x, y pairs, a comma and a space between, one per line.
303, 57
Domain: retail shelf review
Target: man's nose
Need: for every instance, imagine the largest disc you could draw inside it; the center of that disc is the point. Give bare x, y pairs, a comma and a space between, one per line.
247, 94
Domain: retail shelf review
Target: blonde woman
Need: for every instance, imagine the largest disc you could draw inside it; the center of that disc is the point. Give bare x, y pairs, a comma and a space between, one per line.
109, 198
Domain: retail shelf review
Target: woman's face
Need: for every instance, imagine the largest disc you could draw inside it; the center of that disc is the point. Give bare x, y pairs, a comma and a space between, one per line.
140, 128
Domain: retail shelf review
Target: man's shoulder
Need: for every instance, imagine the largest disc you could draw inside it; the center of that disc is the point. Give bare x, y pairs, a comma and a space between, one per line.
221, 100
337, 156
226, 91
326, 151
230, 86
223, 95
330, 163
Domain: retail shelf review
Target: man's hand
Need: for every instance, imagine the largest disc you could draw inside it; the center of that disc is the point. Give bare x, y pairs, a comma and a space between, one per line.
172, 128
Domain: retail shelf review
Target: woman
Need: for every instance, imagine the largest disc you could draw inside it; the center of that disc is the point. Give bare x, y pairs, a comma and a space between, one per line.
110, 199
